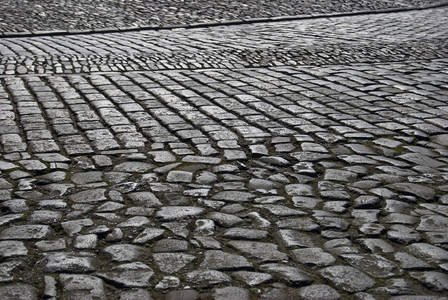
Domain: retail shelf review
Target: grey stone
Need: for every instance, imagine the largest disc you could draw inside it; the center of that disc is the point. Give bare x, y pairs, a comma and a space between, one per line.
219, 260
130, 275
407, 261
428, 252
377, 246
67, 262
302, 224
169, 213
89, 196
50, 287
87, 177
12, 248
18, 292
372, 264
133, 167
148, 234
115, 235
26, 232
172, 262
434, 223
299, 190
45, 217
135, 294
347, 278
9, 218
124, 252
282, 211
138, 221
179, 177
234, 196
204, 227
168, 282
436, 281
88, 241
253, 278
319, 292
265, 252
145, 199
207, 278
291, 275
82, 287
170, 245
231, 292
245, 233
225, 220
73, 227
418, 190
208, 242
305, 202
313, 257
53, 245
293, 238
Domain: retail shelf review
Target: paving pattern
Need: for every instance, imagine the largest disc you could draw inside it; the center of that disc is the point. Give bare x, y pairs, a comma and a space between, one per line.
42, 16
286, 160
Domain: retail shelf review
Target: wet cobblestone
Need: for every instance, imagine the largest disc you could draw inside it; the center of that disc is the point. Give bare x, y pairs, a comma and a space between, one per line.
268, 173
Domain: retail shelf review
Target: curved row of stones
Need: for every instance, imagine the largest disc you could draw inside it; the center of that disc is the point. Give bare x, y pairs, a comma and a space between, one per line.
71, 16
356, 39
265, 183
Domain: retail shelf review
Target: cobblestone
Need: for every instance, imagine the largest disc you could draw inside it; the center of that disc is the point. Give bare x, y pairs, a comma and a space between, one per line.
301, 159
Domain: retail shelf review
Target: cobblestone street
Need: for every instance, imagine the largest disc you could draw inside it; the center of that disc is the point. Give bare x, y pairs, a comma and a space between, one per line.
300, 159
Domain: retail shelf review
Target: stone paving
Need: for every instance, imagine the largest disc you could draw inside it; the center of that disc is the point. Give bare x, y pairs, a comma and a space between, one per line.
43, 16
286, 160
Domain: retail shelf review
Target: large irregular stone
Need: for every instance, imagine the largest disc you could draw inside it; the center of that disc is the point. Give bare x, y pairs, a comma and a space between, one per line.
89, 196
253, 278
18, 292
26, 232
233, 196
219, 260
129, 275
313, 257
292, 238
418, 190
225, 220
172, 262
133, 167
148, 234
434, 223
12, 248
169, 213
292, 275
231, 292
319, 292
302, 224
347, 278
170, 245
436, 281
207, 278
82, 287
145, 199
372, 264
125, 252
73, 227
68, 262
245, 233
428, 252
265, 252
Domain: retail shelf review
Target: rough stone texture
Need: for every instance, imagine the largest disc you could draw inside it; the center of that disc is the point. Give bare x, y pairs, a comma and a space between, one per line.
268, 155
347, 278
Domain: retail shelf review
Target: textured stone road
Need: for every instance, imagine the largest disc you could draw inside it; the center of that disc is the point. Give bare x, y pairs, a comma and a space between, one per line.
282, 160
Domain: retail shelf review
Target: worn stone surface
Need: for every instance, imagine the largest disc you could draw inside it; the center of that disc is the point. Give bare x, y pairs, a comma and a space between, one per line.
265, 159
